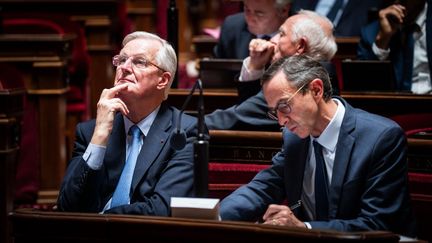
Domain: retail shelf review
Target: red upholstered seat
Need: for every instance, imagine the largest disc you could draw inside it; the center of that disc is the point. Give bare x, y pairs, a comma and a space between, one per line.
414, 123
31, 26
224, 178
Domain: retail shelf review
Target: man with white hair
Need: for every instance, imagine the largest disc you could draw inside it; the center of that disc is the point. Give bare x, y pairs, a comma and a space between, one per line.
305, 33
122, 162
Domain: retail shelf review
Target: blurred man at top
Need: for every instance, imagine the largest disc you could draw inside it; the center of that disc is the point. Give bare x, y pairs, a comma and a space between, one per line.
260, 19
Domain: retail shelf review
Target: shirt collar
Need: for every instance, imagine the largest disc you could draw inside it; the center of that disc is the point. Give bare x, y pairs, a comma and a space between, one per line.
329, 137
144, 125
270, 35
421, 18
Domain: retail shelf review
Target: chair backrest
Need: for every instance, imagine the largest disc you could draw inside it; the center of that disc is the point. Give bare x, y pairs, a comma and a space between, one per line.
79, 65
414, 123
219, 73
31, 26
368, 75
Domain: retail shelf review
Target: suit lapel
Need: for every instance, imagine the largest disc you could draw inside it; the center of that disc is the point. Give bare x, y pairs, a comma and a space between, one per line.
342, 158
153, 143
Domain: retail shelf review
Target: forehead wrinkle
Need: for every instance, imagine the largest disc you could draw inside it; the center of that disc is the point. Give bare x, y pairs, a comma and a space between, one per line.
146, 47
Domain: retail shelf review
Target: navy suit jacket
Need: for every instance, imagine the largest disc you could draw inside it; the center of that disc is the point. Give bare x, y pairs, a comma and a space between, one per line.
354, 15
234, 38
160, 172
368, 190
401, 53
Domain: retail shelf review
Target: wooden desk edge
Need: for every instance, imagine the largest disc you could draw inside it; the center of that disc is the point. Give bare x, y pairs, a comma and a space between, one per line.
43, 216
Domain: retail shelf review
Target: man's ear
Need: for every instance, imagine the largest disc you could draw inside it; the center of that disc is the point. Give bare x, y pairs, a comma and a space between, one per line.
163, 80
301, 46
317, 88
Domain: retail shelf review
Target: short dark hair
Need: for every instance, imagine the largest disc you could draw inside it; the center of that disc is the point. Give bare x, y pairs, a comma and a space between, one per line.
300, 70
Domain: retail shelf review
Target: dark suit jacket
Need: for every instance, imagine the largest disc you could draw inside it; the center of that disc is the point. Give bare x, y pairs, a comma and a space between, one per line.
234, 38
160, 172
354, 15
251, 112
368, 190
401, 53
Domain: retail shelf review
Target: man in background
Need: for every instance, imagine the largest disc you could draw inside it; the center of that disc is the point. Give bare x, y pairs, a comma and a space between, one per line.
306, 33
403, 35
347, 16
259, 19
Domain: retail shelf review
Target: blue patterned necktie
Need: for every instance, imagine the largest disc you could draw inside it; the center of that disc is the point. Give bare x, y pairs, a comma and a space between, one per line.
121, 193
321, 188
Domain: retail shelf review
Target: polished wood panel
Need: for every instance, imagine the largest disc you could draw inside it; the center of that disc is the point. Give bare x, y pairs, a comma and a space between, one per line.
42, 61
31, 226
213, 99
100, 23
254, 147
11, 108
383, 103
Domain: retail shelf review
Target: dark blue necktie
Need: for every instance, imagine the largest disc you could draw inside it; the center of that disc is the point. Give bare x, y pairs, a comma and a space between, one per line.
121, 193
321, 199
334, 10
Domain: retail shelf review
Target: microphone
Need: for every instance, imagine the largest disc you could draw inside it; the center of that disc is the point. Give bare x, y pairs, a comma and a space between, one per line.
201, 145
178, 137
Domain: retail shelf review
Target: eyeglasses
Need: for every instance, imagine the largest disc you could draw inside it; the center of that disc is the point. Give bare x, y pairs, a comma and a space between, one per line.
138, 61
283, 106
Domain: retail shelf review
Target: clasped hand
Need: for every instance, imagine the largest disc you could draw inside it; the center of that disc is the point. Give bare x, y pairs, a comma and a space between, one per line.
281, 215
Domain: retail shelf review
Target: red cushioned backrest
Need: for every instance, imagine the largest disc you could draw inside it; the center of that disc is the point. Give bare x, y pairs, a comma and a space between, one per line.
79, 65
412, 122
31, 26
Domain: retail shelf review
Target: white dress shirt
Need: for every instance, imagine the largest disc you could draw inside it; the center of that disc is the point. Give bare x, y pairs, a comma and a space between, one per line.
421, 82
328, 140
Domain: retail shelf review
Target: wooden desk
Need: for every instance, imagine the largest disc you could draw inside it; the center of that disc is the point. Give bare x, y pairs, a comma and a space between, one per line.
213, 99
347, 47
383, 103
203, 45
389, 103
31, 226
42, 61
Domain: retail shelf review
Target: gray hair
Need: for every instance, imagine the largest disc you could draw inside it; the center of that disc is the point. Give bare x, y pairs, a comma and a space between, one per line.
165, 58
321, 43
299, 70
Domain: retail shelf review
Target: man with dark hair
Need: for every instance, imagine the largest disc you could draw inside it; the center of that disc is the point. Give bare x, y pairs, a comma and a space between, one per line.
347, 166
259, 19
